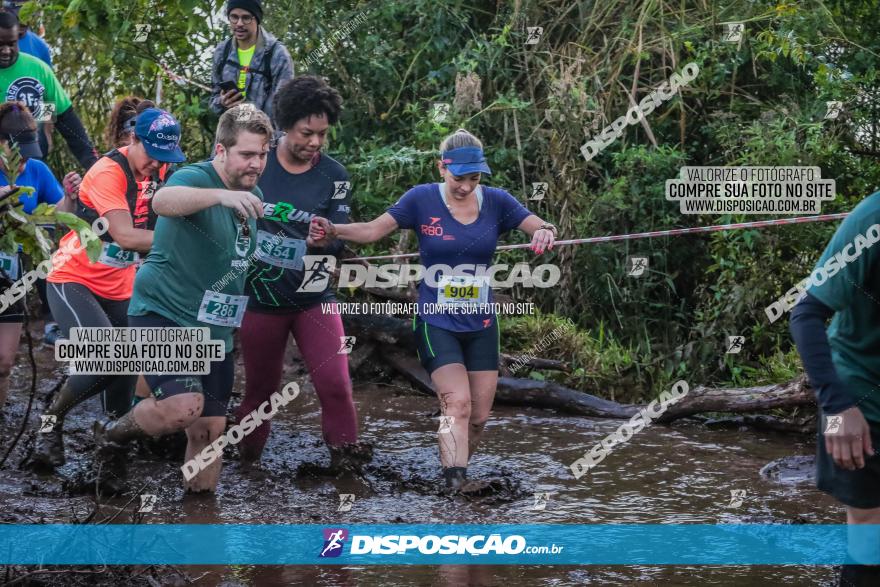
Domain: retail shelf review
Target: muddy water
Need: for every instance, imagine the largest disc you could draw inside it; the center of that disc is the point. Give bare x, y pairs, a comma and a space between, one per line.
683, 474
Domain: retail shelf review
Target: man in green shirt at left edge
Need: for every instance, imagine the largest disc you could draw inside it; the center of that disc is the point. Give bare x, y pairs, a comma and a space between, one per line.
26, 79
194, 277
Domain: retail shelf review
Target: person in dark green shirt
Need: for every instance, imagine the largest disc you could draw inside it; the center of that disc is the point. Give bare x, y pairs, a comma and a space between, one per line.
843, 365
194, 277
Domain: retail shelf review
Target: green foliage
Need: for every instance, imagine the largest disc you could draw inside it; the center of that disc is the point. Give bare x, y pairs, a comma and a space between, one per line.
10, 156
84, 231
599, 364
16, 228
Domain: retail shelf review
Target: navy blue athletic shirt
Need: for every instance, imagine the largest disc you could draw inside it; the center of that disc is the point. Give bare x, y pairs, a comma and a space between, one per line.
444, 240
290, 201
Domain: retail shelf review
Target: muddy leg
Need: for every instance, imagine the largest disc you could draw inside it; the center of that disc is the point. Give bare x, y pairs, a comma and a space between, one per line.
9, 337
453, 390
142, 390
173, 413
482, 384
200, 434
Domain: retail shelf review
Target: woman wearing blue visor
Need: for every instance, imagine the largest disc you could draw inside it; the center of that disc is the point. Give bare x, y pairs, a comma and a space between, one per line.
457, 222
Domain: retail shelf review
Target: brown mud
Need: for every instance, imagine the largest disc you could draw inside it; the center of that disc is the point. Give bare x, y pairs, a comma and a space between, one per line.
665, 474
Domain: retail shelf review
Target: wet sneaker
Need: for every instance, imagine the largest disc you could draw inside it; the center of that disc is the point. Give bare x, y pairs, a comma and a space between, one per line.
249, 454
51, 333
49, 449
476, 487
455, 477
350, 457
109, 467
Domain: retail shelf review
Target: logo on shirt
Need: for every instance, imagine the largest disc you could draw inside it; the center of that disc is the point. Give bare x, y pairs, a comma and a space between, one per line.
340, 189
343, 208
433, 229
242, 240
284, 212
27, 90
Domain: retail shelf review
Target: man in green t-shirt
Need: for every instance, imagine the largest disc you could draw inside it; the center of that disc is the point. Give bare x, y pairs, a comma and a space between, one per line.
26, 79
843, 365
194, 277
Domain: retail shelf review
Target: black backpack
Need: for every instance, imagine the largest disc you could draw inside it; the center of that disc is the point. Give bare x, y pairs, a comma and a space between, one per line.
144, 221
265, 65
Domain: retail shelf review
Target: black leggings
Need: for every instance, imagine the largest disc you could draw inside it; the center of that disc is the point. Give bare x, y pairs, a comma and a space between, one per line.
75, 305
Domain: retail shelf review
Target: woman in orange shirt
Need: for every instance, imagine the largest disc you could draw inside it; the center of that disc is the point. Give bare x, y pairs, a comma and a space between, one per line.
119, 187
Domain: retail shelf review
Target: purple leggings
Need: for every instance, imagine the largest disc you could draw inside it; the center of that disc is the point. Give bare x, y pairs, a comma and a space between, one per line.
263, 342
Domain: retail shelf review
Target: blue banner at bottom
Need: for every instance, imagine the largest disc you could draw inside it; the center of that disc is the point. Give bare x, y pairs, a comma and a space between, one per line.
430, 544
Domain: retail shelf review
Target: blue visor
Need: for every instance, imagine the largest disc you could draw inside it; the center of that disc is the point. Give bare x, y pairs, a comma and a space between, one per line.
464, 160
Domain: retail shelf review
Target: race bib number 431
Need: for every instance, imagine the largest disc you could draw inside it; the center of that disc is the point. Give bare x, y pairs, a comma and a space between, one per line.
222, 309
115, 256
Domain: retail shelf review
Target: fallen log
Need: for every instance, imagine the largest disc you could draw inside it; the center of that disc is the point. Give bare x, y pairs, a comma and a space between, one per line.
380, 327
537, 363
400, 333
398, 338
520, 392
745, 399
765, 422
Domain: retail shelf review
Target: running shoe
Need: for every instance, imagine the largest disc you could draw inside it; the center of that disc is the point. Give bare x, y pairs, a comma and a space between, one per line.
49, 449
109, 468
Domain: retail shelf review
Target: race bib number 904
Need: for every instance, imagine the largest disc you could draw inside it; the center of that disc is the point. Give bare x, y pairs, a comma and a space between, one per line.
459, 290
222, 309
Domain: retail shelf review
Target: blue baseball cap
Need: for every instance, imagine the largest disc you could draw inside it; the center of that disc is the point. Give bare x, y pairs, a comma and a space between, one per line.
464, 160
160, 134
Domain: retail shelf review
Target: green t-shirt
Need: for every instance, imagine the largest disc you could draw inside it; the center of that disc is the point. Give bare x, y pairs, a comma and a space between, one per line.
195, 272
245, 56
852, 262
31, 81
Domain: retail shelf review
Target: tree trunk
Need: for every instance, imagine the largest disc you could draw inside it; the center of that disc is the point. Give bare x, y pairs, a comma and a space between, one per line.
396, 340
520, 392
747, 399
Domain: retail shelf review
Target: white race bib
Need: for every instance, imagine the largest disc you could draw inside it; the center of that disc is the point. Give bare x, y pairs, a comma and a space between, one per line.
222, 309
9, 264
462, 290
115, 256
288, 253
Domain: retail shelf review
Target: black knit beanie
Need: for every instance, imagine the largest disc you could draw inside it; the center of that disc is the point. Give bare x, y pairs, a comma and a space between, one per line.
252, 6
